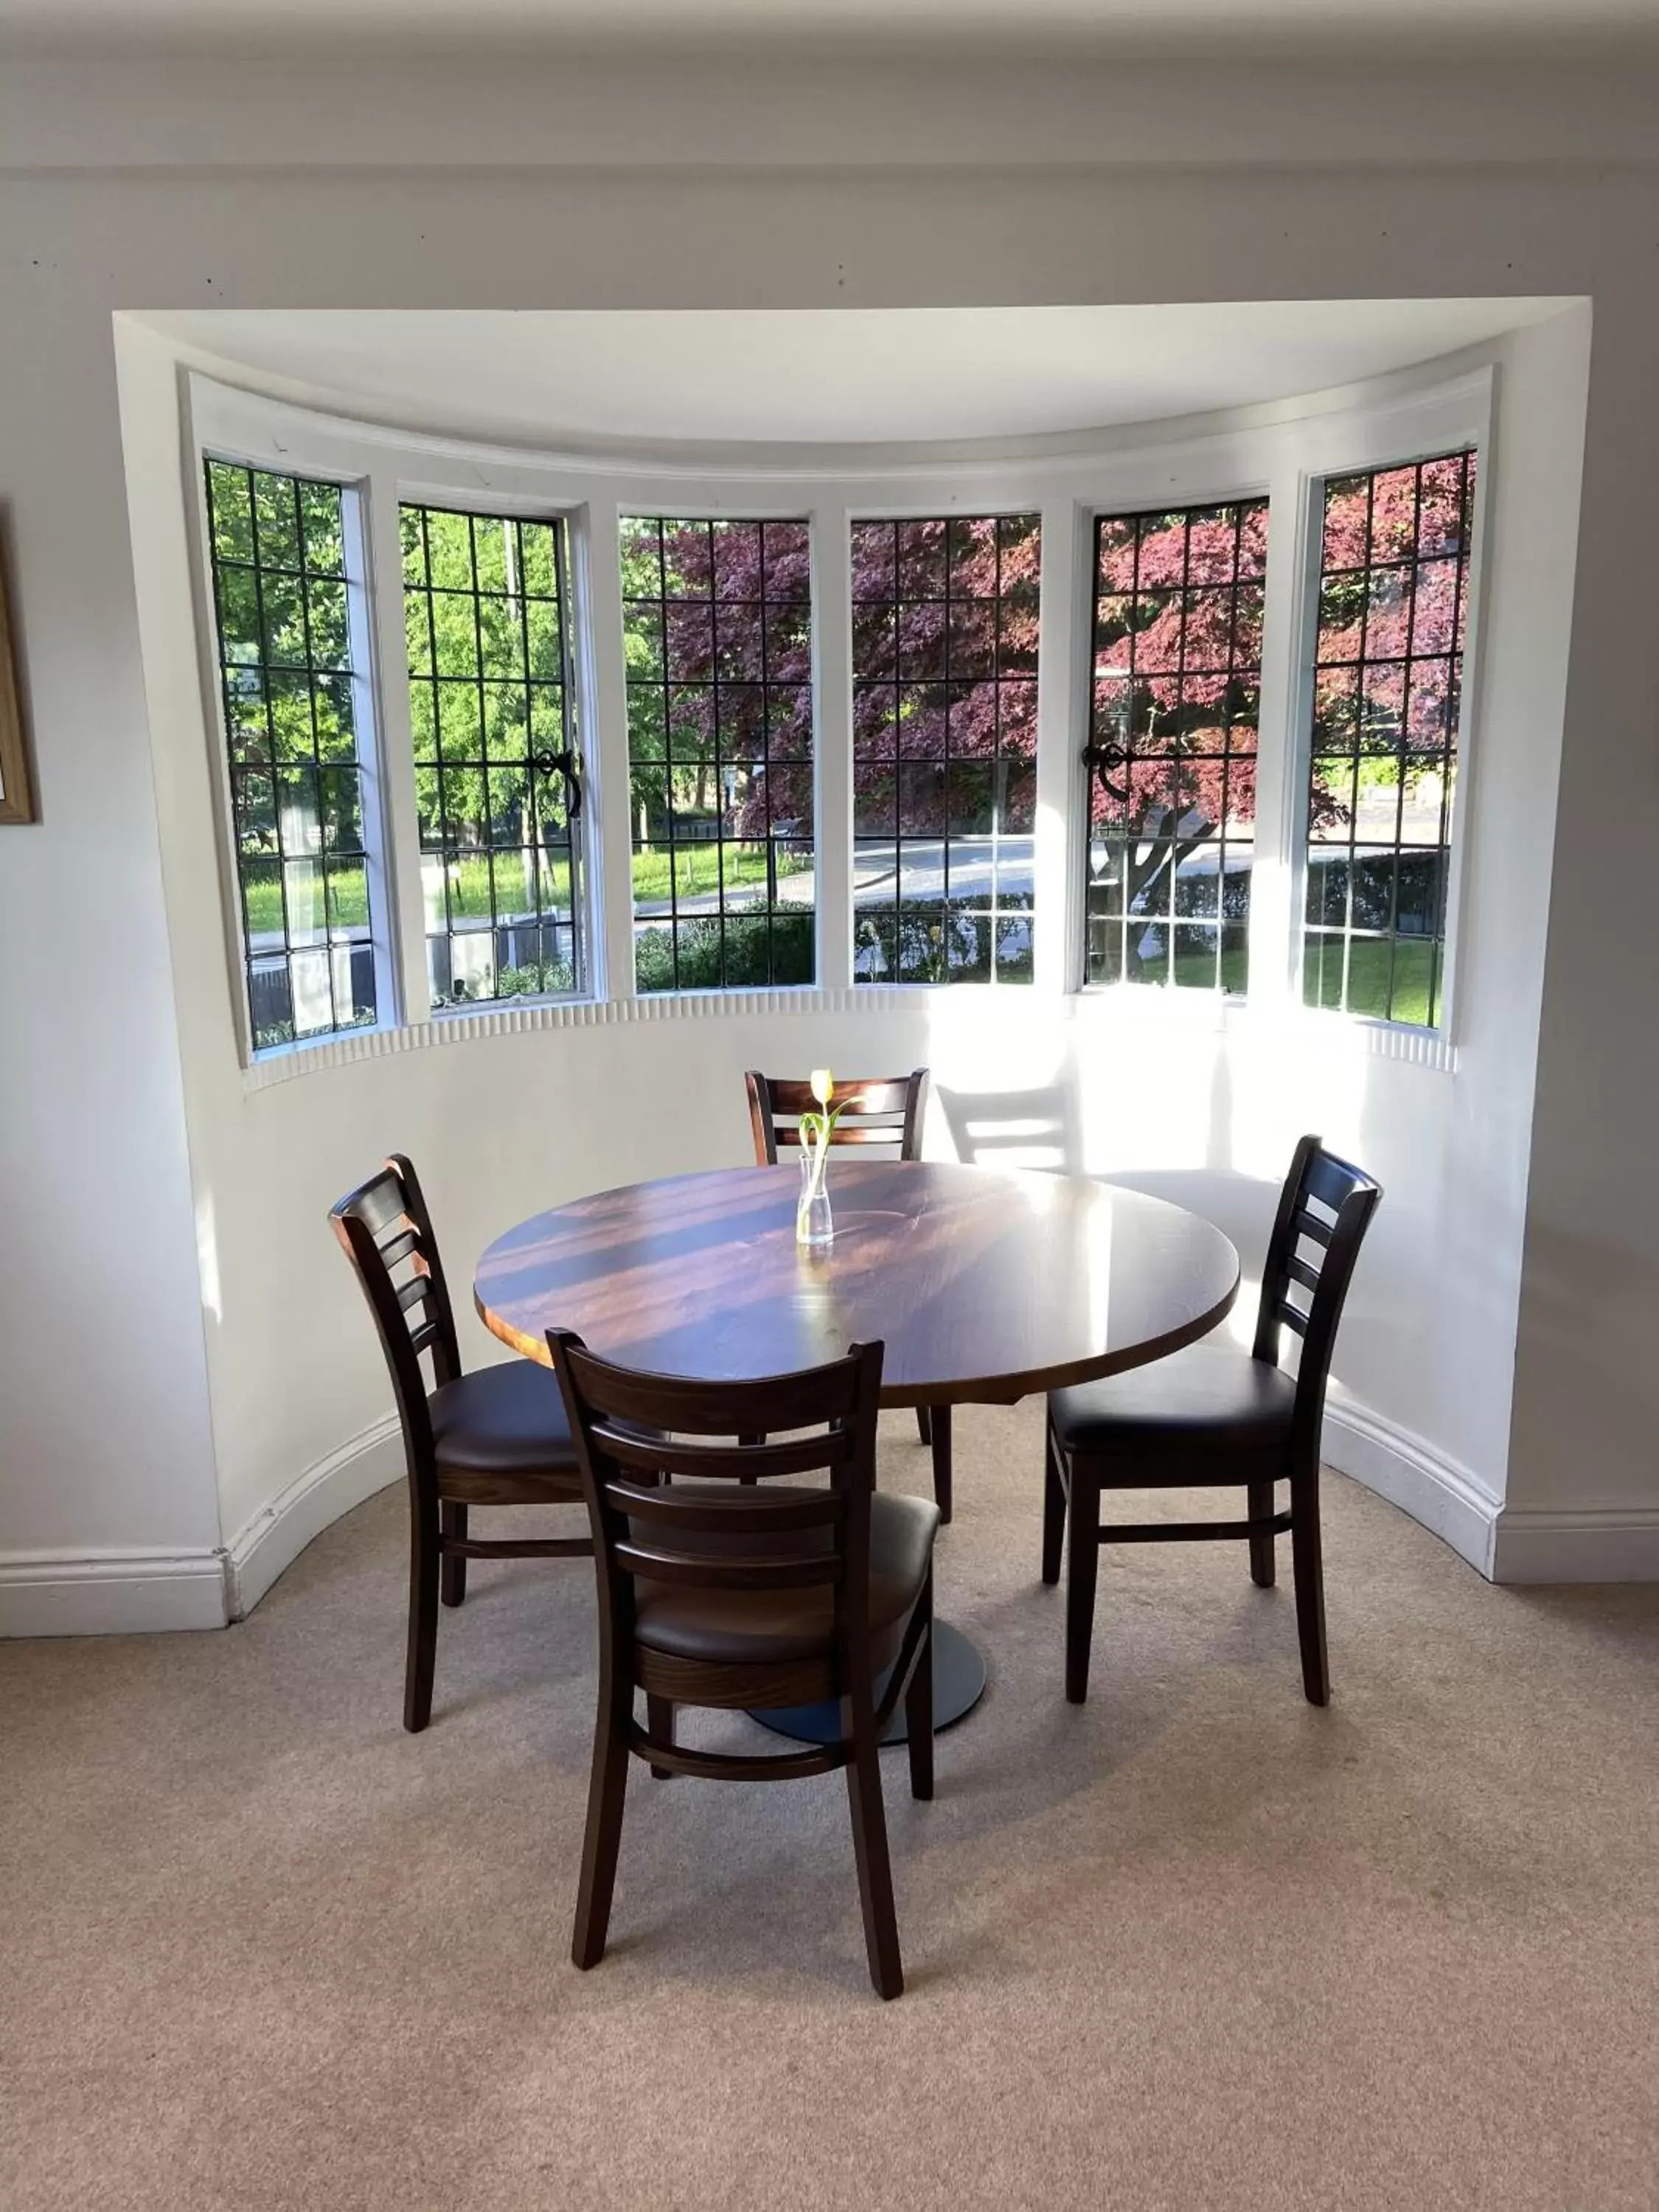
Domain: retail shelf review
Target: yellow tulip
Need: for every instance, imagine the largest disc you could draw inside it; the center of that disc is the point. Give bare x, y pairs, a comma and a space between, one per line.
822, 1086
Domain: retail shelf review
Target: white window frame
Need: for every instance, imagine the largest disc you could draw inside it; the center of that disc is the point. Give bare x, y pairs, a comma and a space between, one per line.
1444, 421
1288, 456
717, 507
919, 511
385, 470
1283, 450
395, 680
211, 445
1168, 485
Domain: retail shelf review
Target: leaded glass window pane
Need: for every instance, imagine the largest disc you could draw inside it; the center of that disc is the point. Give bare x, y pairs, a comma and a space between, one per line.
1383, 748
282, 608
944, 658
1175, 674
498, 789
718, 636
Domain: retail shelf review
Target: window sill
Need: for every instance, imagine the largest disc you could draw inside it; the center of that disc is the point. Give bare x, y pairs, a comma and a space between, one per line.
1360, 1035
1348, 1033
280, 1063
453, 1025
476, 1015
1380, 1040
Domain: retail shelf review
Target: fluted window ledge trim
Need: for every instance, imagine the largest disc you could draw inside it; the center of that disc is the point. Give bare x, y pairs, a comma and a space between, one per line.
1139, 1009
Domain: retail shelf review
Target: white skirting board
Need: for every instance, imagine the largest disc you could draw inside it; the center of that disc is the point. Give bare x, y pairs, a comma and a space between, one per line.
274, 1538
133, 1593
129, 1593
1592, 1542
1410, 1473
1589, 1544
110, 1593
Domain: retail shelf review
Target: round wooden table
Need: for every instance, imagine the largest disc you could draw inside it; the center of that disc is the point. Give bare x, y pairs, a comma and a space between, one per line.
983, 1284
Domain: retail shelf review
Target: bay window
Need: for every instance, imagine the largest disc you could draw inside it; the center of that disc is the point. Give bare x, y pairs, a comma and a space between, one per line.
503, 731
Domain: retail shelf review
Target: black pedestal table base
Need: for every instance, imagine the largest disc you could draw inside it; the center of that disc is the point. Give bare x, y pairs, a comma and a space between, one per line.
958, 1685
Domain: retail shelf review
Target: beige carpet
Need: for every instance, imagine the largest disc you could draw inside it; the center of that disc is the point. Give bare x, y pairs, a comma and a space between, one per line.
1194, 1945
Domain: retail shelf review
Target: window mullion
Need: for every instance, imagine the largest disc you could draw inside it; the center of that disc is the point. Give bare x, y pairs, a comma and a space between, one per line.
832, 699
1292, 605
403, 913
609, 811
1064, 629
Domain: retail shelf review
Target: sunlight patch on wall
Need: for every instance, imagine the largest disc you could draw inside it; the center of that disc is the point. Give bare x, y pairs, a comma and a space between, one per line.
207, 1257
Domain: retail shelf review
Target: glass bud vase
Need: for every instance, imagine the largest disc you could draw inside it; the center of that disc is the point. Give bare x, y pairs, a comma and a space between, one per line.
815, 1226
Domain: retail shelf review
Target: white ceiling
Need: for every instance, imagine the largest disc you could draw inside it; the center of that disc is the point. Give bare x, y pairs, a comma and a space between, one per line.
1023, 21
842, 377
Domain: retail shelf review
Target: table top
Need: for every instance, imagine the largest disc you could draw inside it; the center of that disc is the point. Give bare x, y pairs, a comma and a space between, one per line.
984, 1284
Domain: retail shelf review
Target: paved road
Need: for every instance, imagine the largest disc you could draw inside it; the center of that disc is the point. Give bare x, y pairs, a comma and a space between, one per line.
972, 871
976, 871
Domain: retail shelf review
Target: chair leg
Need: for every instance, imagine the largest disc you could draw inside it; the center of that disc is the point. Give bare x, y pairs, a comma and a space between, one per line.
925, 1424
659, 1724
1308, 1563
940, 1428
870, 1844
423, 1575
1261, 1497
919, 1704
606, 1792
1054, 1506
1083, 1566
453, 1578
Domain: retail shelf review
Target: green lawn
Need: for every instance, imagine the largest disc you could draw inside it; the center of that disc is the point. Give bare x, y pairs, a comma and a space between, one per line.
699, 875
346, 896
745, 867
468, 886
1368, 977
469, 892
699, 870
1196, 971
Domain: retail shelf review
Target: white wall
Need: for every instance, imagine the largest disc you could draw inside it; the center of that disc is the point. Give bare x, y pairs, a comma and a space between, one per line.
506, 1122
1586, 1444
1218, 1095
107, 1448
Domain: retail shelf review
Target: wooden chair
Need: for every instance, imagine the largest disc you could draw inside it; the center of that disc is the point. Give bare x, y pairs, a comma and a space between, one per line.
734, 1592
496, 1437
1211, 1414
880, 1110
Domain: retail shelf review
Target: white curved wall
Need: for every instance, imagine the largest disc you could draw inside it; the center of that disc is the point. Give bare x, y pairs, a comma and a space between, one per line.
1194, 1099
106, 1442
107, 1446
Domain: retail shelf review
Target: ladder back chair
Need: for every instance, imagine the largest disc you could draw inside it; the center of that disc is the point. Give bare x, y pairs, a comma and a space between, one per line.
1213, 1415
879, 1109
497, 1436
726, 1581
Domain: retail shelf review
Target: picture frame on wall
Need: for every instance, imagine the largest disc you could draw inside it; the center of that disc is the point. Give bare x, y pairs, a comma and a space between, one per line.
16, 786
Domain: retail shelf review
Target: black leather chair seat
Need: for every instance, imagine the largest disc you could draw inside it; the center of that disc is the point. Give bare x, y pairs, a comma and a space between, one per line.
504, 1420
1209, 1397
737, 1627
